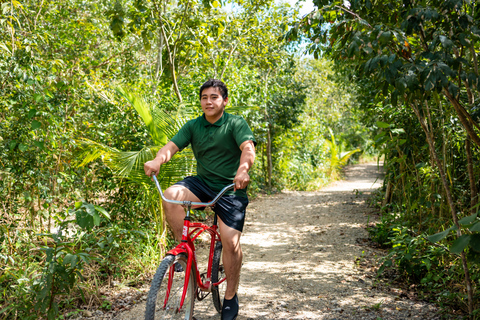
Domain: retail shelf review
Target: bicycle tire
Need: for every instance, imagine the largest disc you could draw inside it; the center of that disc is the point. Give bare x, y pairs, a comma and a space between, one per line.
156, 296
218, 273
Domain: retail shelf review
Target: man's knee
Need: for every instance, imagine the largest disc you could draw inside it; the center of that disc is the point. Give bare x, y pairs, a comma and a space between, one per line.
231, 241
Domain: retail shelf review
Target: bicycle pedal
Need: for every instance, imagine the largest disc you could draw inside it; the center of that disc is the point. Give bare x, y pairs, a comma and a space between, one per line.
202, 294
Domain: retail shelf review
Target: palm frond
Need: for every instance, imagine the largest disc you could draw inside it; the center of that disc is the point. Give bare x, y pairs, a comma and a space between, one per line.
166, 123
92, 150
145, 112
344, 159
238, 109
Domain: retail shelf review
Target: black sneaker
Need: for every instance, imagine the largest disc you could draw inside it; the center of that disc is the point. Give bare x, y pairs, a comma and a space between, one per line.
230, 308
178, 267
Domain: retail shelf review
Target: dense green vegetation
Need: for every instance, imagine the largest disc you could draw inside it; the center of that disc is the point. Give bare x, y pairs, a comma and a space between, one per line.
416, 65
89, 90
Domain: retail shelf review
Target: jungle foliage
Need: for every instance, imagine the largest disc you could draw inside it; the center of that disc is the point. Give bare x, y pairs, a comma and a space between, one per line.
416, 66
89, 90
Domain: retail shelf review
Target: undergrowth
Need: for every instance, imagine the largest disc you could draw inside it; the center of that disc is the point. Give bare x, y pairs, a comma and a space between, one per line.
431, 268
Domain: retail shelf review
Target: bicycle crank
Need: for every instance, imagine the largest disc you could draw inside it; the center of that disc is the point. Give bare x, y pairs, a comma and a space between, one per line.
200, 293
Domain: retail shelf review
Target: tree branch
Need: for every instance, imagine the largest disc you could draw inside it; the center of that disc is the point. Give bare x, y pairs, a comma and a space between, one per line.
465, 118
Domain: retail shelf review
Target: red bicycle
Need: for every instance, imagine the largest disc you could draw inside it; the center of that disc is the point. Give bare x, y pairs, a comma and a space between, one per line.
175, 298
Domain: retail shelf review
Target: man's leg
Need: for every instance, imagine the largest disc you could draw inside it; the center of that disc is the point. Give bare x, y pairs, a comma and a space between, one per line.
232, 257
175, 213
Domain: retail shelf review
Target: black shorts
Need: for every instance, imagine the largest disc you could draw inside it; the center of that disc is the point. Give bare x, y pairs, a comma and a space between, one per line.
230, 208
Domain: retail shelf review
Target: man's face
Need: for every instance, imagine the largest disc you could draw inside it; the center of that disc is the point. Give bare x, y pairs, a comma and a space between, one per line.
213, 104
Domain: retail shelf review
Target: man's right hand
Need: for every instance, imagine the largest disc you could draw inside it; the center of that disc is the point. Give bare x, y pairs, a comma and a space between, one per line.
152, 167
163, 156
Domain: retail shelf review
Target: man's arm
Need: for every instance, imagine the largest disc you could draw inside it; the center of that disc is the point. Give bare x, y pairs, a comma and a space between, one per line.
246, 161
163, 156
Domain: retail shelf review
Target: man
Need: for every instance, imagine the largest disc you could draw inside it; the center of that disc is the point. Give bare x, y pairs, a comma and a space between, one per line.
224, 148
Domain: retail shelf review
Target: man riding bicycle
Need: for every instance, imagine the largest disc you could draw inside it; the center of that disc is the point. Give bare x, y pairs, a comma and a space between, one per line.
224, 148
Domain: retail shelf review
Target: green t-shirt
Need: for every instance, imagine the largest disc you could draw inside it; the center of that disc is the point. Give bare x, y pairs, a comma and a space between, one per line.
216, 148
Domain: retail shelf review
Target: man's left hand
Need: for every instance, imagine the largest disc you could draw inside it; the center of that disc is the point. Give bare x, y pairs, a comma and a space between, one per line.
241, 180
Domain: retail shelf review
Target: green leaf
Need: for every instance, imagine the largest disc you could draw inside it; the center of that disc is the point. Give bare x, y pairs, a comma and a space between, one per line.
475, 242
90, 208
32, 113
103, 211
383, 125
384, 36
468, 220
37, 97
96, 219
78, 204
22, 147
438, 236
84, 220
446, 43
36, 124
13, 145
475, 227
460, 244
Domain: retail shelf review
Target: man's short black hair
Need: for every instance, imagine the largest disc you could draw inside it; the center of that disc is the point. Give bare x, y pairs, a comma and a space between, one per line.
215, 84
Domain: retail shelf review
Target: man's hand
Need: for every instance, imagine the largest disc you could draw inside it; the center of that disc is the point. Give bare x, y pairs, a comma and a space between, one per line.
151, 167
242, 179
163, 156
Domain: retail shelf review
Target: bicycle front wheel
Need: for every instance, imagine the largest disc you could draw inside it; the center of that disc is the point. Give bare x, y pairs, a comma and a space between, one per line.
218, 273
163, 300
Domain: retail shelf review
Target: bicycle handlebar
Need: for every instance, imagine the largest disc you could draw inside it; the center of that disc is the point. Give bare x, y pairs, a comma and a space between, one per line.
191, 203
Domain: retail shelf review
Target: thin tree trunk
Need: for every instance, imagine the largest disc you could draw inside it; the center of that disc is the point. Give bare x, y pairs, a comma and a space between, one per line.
269, 158
388, 193
464, 117
431, 145
471, 176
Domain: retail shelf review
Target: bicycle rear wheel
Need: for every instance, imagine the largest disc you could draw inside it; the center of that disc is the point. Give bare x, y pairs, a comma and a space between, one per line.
162, 304
218, 273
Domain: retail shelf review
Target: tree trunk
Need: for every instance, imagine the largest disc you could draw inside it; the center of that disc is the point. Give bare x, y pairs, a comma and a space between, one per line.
464, 117
269, 158
431, 145
471, 176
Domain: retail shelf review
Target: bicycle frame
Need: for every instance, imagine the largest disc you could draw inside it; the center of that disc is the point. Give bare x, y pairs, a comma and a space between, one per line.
191, 231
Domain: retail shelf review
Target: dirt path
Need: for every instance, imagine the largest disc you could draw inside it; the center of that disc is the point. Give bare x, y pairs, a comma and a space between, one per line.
305, 257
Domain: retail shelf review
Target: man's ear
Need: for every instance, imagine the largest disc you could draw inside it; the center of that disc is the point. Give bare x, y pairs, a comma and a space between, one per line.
225, 101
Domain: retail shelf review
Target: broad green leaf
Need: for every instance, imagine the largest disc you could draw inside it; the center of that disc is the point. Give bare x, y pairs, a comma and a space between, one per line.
90, 208
468, 220
96, 218
36, 124
438, 236
103, 211
475, 242
475, 227
383, 125
22, 147
32, 113
384, 36
447, 43
460, 244
39, 144
78, 204
37, 97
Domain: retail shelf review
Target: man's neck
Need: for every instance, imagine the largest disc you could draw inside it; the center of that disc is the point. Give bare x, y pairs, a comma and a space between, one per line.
213, 120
